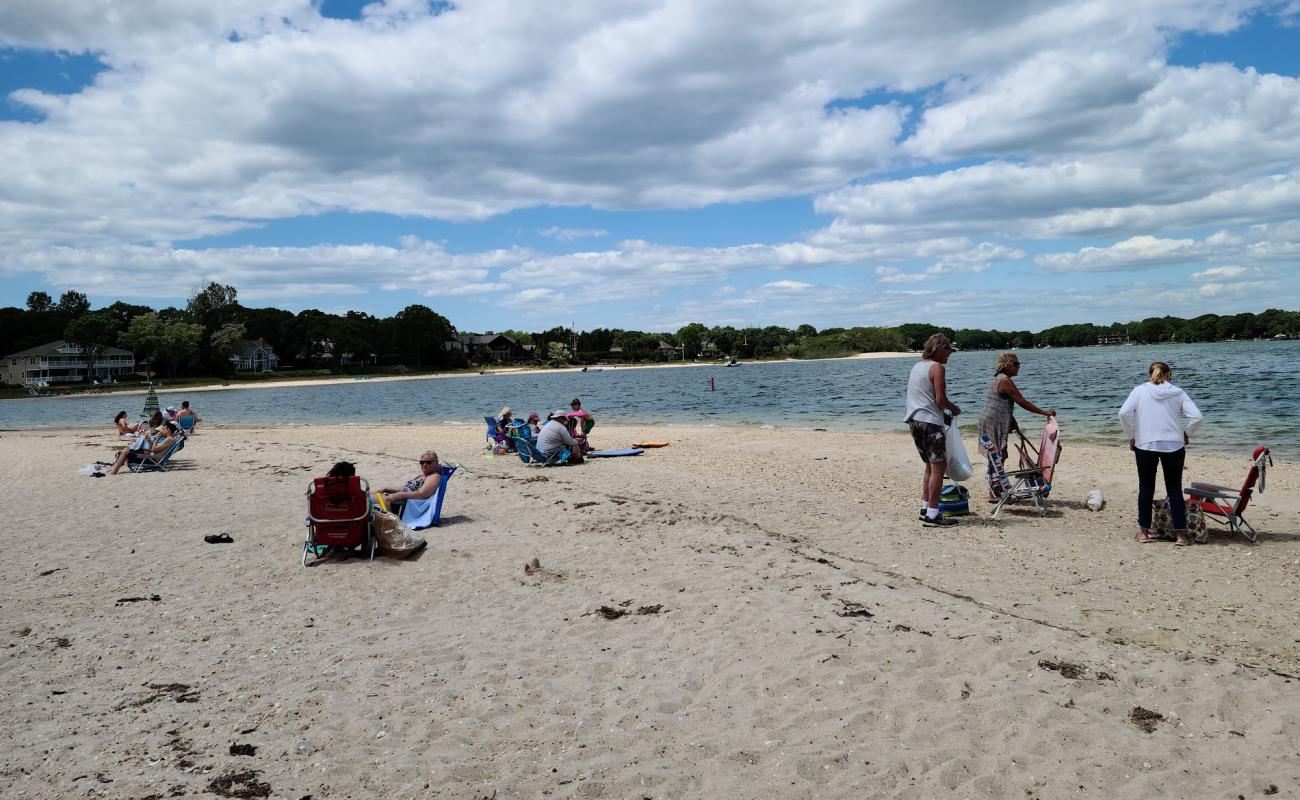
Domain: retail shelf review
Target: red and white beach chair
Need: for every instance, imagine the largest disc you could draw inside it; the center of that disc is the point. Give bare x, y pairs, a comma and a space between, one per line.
1226, 506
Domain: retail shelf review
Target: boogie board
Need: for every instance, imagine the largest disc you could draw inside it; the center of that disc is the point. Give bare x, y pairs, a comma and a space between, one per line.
649, 444
627, 451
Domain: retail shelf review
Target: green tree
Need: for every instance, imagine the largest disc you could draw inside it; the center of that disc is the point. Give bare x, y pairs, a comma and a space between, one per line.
39, 302
92, 331
143, 337
211, 307
225, 343
73, 303
691, 338
556, 354
179, 345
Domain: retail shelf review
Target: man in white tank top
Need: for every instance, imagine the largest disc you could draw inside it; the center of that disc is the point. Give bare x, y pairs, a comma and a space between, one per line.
927, 400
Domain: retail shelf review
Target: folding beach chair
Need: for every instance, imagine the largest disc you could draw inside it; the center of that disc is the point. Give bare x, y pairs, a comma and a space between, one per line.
491, 431
1017, 485
186, 424
1225, 505
529, 454
1043, 457
338, 515
150, 462
419, 514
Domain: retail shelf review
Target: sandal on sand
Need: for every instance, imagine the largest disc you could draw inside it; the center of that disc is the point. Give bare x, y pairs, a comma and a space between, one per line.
218, 538
1182, 544
1148, 539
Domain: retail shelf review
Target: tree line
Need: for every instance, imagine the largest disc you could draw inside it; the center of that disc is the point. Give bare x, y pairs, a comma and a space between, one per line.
200, 338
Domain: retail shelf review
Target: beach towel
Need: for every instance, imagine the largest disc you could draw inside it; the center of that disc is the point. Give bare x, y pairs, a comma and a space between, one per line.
1047, 448
419, 514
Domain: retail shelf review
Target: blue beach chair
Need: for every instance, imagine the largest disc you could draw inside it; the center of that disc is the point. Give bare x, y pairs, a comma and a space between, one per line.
186, 424
418, 514
535, 457
159, 462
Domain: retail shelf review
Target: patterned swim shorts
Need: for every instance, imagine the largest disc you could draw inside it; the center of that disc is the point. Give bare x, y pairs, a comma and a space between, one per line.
930, 441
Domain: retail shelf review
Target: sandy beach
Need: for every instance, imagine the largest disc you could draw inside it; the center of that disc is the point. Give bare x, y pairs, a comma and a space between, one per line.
790, 631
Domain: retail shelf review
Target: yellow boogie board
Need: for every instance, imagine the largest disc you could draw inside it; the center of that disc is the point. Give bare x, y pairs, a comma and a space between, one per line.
650, 444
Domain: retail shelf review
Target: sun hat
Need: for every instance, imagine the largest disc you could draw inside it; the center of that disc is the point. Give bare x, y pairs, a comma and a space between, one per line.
532, 415
561, 414
171, 409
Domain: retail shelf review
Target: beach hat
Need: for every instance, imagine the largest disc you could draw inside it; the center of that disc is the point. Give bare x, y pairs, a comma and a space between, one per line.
532, 415
172, 409
561, 414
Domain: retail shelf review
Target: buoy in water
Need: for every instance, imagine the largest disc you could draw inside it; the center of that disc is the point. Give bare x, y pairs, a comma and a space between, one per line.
712, 387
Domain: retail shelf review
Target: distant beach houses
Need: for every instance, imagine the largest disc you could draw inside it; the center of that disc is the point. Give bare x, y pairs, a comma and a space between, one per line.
64, 362
503, 348
255, 355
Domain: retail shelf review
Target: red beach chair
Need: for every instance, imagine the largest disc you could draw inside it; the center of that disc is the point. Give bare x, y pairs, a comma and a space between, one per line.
1225, 505
338, 515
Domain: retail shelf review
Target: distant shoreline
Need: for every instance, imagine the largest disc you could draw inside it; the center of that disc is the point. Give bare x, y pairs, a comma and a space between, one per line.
288, 384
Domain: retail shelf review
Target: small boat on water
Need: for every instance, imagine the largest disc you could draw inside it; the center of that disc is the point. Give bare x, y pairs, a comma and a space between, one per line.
732, 363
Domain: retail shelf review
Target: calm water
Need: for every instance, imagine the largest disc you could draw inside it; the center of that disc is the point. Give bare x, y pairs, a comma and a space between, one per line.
1243, 388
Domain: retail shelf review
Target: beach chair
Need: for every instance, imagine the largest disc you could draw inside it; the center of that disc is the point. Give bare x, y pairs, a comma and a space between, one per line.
1226, 506
1043, 457
491, 431
186, 424
338, 515
587, 425
1017, 485
149, 463
418, 514
535, 457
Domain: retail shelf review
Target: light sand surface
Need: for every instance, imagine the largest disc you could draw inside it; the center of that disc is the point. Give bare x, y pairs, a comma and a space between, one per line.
812, 640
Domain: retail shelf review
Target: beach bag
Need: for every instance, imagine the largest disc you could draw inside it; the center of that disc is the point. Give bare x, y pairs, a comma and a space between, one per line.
1162, 521
395, 540
954, 501
959, 468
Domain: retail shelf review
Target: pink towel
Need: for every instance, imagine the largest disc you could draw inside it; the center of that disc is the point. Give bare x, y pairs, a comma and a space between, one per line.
1048, 446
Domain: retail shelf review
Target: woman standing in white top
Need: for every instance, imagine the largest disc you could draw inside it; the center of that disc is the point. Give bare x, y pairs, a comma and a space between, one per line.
1151, 420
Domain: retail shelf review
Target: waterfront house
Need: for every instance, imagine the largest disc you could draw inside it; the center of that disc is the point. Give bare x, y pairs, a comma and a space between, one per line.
64, 362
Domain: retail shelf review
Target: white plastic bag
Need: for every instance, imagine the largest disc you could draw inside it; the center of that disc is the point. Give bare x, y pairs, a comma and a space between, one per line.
959, 468
1095, 500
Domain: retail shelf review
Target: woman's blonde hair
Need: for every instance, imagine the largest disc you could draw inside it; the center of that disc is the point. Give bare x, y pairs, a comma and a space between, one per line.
1005, 361
934, 344
1159, 372
432, 456
504, 412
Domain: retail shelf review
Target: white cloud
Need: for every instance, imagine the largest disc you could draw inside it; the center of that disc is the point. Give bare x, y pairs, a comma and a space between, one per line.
1218, 273
572, 234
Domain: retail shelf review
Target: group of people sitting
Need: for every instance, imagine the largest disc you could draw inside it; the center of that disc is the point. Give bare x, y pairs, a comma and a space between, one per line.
150, 440
562, 430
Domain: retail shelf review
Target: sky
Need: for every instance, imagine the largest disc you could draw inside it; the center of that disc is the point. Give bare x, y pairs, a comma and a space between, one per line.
644, 164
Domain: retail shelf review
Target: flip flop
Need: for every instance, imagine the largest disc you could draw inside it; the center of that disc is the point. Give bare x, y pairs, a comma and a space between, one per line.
218, 538
1147, 540
1182, 544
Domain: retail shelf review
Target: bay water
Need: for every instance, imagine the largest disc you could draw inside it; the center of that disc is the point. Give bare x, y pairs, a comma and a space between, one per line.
1245, 390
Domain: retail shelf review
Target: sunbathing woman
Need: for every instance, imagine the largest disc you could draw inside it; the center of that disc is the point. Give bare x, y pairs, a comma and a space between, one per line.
421, 487
123, 427
153, 447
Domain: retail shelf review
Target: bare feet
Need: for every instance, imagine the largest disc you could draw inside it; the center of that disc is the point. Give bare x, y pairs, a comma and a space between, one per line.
1145, 536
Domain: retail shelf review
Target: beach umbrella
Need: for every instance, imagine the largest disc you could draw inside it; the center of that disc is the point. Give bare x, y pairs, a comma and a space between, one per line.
151, 403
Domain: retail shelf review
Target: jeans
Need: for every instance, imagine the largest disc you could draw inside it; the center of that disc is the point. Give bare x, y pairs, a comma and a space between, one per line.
1171, 464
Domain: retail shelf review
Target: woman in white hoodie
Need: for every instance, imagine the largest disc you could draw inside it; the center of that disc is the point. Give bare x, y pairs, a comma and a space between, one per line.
1151, 417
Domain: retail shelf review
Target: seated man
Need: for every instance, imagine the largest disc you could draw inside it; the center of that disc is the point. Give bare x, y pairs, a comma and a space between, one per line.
421, 487
155, 447
555, 437
186, 411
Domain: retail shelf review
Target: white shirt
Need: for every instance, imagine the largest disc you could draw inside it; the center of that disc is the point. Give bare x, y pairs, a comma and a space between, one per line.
1151, 417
